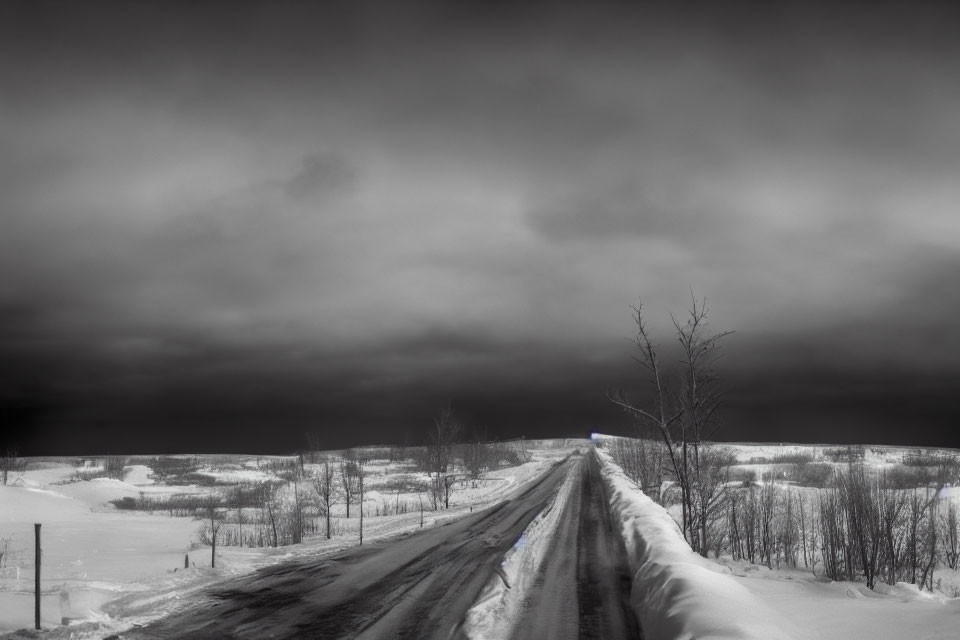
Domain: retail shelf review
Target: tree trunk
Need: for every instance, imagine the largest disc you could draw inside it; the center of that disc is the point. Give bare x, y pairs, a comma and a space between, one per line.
361, 510
213, 540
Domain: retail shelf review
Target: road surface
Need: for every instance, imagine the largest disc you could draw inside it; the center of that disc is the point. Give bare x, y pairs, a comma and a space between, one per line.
583, 590
422, 585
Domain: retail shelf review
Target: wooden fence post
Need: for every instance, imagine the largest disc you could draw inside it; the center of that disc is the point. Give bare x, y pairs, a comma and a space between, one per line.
36, 586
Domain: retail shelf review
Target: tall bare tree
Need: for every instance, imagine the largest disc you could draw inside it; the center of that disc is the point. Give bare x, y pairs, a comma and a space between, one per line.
361, 474
214, 523
270, 507
240, 497
326, 488
950, 535
348, 477
297, 521
445, 433
683, 408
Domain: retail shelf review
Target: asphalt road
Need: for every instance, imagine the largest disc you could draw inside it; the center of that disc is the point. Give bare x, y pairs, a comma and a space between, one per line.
582, 591
421, 586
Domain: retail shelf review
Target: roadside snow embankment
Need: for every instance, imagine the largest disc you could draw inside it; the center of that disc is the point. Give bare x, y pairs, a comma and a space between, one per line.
500, 605
677, 594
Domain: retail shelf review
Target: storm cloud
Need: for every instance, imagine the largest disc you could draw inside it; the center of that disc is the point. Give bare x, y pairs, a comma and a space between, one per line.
229, 225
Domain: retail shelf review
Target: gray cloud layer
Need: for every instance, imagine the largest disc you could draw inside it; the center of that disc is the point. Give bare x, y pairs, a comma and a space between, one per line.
343, 216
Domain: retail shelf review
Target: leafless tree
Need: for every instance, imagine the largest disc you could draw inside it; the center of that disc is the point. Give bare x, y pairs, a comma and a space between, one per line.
11, 462
807, 533
240, 496
891, 502
270, 508
361, 474
709, 495
348, 477
296, 519
477, 455
683, 412
950, 535
642, 460
835, 551
928, 552
766, 534
864, 524
214, 519
445, 433
324, 485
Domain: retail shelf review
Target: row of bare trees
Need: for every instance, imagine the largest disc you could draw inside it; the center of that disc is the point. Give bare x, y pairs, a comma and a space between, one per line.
277, 514
861, 525
873, 529
266, 514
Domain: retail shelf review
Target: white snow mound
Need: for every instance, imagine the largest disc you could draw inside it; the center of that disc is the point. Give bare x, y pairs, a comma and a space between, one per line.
676, 593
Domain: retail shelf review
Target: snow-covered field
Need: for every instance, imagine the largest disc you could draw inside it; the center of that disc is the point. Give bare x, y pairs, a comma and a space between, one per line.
847, 610
90, 551
677, 593
101, 563
106, 569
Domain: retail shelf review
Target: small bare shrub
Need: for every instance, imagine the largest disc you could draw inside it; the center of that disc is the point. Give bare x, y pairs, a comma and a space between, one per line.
813, 474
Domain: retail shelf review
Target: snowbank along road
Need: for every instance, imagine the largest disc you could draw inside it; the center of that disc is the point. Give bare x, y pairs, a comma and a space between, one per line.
422, 585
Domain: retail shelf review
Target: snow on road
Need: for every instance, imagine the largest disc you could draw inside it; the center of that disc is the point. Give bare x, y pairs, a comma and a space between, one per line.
568, 573
499, 607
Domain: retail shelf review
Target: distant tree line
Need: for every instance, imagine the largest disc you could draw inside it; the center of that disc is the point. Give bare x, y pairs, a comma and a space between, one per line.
322, 492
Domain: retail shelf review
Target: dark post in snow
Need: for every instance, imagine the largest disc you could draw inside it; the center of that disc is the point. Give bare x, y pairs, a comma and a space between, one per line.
36, 586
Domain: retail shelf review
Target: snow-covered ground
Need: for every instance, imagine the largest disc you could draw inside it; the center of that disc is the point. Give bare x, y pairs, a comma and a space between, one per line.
94, 553
679, 594
846, 610
90, 551
107, 568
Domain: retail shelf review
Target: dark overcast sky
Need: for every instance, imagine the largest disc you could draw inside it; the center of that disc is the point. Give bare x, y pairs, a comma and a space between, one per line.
224, 225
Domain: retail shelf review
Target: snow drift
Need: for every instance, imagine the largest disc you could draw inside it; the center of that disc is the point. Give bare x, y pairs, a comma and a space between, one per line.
677, 594
500, 605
